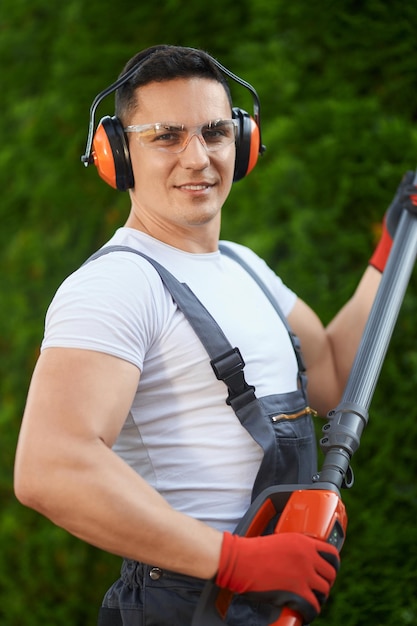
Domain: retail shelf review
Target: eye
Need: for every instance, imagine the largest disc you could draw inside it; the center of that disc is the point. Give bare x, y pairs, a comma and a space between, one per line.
220, 133
168, 136
214, 134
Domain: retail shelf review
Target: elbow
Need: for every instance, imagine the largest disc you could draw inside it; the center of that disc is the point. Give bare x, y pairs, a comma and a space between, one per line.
30, 484
26, 491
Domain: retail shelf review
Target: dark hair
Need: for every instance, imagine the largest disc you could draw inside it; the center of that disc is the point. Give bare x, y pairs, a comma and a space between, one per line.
162, 63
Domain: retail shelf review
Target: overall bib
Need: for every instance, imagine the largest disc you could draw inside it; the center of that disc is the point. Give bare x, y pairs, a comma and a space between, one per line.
281, 424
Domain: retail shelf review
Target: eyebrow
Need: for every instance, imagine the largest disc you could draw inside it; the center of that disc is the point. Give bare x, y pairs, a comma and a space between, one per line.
178, 125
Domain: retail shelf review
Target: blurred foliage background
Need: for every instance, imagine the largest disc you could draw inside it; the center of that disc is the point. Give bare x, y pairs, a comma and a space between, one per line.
337, 82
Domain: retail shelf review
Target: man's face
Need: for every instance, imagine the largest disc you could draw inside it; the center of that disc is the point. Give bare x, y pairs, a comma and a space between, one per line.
176, 192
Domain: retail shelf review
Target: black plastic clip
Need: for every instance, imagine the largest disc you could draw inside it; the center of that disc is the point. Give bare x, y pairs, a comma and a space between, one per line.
228, 367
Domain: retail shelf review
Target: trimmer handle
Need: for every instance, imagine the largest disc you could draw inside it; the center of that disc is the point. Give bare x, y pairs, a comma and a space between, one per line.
315, 510
318, 513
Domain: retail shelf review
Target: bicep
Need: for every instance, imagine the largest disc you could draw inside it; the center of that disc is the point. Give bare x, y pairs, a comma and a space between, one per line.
81, 394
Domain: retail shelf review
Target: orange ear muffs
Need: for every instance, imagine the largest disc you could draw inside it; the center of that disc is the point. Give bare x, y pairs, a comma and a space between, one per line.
247, 144
108, 150
110, 154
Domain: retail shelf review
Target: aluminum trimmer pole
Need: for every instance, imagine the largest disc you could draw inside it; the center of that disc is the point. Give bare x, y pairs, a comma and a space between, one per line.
347, 421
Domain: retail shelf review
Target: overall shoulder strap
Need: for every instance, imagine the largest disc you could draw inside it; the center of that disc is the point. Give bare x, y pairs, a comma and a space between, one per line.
226, 361
226, 250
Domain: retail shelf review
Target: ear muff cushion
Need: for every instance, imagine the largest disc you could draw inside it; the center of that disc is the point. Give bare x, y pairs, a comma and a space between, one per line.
111, 154
255, 141
247, 144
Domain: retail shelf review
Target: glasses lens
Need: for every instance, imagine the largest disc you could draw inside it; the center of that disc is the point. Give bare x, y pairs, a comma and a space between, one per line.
163, 137
175, 138
218, 134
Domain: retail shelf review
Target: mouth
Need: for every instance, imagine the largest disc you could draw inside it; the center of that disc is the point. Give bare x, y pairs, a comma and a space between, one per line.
194, 187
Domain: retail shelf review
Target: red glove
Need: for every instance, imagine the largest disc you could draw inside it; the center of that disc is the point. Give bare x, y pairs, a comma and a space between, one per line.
403, 198
285, 568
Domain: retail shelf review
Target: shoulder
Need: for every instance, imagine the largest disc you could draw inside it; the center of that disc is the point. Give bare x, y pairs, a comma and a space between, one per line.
115, 282
284, 295
113, 274
250, 257
115, 304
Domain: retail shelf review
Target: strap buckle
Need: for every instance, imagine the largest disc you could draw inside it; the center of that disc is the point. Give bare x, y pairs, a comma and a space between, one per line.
228, 367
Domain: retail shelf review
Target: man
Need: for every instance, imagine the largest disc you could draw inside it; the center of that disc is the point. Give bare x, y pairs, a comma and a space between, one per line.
127, 441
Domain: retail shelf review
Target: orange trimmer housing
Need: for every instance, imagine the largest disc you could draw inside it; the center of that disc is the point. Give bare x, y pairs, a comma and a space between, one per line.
316, 510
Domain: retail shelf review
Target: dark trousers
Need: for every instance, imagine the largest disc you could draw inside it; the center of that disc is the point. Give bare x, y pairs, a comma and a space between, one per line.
147, 596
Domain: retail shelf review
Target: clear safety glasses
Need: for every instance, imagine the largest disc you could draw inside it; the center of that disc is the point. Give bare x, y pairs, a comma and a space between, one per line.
174, 138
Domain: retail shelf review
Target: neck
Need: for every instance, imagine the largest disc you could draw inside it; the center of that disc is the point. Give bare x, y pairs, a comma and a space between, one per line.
196, 238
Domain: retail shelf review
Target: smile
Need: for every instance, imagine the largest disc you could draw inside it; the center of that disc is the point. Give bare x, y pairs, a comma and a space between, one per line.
200, 187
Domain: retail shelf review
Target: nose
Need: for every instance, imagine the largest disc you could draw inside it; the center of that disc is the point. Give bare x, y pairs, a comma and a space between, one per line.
195, 153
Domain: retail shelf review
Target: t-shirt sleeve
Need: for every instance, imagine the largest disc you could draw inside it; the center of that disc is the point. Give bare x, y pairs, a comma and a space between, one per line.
113, 304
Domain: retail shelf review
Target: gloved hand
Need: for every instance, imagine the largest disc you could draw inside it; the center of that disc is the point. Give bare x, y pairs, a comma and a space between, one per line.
289, 569
403, 198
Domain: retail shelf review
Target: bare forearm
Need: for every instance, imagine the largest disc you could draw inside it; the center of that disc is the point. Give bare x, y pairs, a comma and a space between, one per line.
329, 352
65, 467
346, 329
104, 502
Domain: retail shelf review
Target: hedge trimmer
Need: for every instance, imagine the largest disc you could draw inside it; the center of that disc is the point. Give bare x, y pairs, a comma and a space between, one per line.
317, 509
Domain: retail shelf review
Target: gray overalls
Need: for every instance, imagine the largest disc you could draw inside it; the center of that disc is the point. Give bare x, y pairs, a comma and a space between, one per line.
148, 596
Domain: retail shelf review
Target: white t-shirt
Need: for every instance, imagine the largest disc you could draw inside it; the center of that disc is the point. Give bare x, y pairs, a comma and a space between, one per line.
180, 435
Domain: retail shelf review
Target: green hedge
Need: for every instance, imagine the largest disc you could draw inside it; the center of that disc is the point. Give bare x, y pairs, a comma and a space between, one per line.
337, 85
